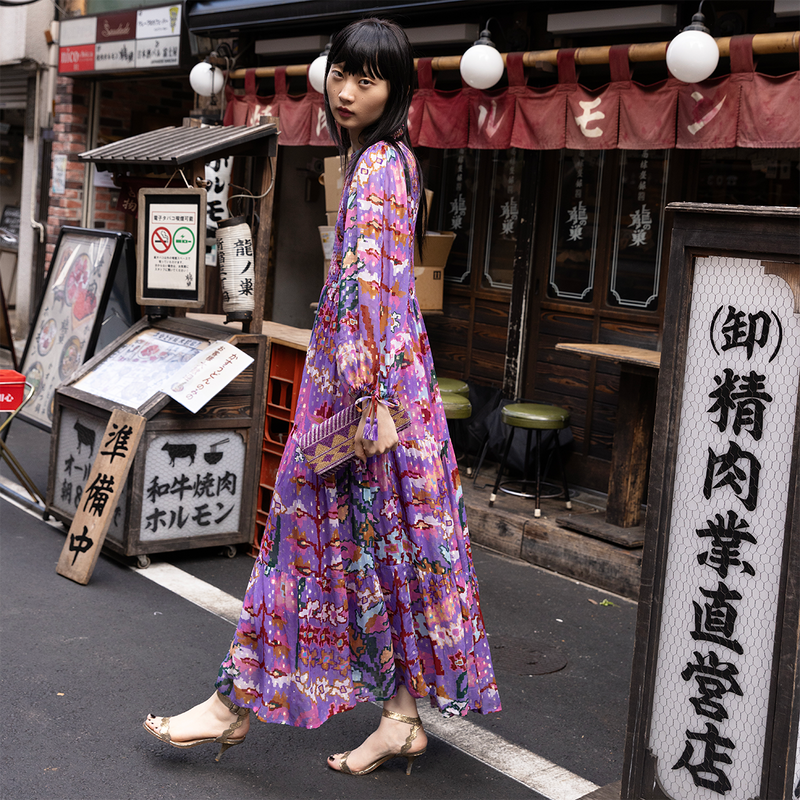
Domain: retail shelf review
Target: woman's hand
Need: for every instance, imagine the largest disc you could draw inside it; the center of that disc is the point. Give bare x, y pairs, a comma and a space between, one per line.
387, 434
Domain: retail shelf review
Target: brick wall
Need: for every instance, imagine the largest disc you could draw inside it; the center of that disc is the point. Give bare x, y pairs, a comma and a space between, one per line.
127, 108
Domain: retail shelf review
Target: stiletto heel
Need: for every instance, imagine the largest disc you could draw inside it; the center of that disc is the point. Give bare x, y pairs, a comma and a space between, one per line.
416, 727
224, 739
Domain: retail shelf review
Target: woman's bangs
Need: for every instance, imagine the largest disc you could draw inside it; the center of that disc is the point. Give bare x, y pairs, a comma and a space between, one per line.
359, 53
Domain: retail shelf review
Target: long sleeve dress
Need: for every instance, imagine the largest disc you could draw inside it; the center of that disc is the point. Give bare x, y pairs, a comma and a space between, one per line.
364, 581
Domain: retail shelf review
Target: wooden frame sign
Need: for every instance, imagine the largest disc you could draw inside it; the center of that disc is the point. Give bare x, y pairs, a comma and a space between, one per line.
715, 689
170, 253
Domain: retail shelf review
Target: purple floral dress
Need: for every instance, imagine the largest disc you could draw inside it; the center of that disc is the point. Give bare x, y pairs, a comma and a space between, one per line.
364, 581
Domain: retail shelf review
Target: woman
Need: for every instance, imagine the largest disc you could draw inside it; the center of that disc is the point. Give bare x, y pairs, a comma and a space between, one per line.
364, 586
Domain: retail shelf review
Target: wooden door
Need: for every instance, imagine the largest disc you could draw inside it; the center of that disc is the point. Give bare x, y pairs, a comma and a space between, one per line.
597, 277
478, 194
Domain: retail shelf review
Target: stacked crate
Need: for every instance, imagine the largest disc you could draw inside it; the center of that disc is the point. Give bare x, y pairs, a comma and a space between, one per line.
283, 385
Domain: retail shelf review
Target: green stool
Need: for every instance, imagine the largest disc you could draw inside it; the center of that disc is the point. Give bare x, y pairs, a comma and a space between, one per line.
457, 407
454, 386
532, 417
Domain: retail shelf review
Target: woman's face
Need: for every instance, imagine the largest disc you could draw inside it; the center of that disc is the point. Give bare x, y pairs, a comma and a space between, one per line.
356, 100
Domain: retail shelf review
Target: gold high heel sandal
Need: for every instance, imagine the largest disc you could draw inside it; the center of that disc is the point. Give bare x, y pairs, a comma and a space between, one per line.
224, 739
416, 727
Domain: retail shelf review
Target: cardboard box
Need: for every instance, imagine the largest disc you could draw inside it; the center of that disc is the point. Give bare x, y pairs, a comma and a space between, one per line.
437, 249
429, 271
327, 237
429, 283
333, 180
12, 389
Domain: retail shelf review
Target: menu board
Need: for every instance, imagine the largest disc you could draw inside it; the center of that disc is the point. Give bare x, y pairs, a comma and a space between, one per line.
71, 312
137, 370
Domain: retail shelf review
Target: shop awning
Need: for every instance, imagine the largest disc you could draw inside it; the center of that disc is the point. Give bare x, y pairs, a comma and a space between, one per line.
742, 109
225, 17
169, 148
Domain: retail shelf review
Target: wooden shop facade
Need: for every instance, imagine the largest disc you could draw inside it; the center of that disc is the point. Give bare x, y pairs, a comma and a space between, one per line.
555, 181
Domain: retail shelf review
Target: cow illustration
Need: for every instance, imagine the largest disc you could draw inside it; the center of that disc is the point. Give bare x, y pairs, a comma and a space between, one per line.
177, 451
85, 436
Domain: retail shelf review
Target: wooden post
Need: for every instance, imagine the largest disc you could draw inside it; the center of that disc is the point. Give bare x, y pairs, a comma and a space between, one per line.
632, 439
100, 496
262, 291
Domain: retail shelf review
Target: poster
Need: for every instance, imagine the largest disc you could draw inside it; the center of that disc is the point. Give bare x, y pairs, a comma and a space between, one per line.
71, 310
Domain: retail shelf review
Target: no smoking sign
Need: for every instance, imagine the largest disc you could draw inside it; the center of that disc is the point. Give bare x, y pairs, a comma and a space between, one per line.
171, 239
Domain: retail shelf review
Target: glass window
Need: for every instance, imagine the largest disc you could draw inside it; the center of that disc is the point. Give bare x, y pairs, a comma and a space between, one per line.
638, 233
503, 217
457, 208
575, 231
749, 177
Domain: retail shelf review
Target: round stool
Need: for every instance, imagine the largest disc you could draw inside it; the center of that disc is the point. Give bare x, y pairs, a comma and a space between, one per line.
532, 417
453, 386
458, 408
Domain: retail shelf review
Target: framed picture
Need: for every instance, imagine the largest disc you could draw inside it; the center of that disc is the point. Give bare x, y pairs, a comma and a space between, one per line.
87, 300
171, 248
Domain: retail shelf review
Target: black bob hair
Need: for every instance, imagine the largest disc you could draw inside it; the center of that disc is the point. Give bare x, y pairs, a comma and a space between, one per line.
378, 48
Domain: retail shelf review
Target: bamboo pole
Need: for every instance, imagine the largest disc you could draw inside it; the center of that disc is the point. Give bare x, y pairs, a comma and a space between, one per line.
763, 44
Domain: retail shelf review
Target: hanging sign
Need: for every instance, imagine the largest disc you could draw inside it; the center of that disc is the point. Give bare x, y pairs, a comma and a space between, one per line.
171, 248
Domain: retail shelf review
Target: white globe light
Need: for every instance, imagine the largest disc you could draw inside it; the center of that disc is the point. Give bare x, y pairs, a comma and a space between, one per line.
316, 73
692, 56
206, 79
482, 66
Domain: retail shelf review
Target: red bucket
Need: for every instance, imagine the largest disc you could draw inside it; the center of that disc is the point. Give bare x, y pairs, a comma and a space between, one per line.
12, 389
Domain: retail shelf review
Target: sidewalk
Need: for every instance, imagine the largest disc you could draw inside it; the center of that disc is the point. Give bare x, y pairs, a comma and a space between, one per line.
83, 665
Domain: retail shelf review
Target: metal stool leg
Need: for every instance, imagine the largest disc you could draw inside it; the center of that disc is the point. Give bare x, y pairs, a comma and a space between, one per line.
484, 448
493, 495
557, 446
537, 511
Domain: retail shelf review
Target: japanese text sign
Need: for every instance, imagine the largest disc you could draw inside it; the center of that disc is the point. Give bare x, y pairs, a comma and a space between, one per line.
93, 516
714, 708
206, 375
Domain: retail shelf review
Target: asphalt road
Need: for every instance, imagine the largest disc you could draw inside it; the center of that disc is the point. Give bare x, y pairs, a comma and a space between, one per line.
83, 665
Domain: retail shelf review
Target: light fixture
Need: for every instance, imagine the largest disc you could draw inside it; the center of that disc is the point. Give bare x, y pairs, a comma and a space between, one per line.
316, 72
482, 65
693, 54
206, 79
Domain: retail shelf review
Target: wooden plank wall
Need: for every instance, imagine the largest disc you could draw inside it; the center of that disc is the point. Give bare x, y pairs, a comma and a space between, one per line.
587, 387
468, 340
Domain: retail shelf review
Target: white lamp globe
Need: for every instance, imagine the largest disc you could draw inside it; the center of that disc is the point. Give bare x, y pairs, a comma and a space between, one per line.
482, 66
316, 73
206, 79
693, 54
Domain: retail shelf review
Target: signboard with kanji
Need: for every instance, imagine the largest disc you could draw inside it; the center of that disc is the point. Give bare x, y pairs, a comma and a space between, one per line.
121, 41
713, 708
100, 495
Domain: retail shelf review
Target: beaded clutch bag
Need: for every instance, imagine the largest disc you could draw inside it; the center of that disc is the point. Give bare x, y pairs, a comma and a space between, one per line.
330, 445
